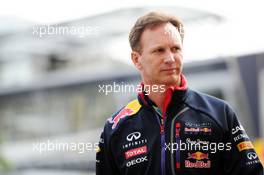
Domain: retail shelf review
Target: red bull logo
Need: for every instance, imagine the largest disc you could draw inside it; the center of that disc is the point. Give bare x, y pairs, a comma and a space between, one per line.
122, 114
198, 156
201, 160
206, 130
132, 108
196, 130
197, 164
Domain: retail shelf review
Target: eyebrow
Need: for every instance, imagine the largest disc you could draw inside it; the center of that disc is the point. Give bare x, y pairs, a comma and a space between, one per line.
161, 46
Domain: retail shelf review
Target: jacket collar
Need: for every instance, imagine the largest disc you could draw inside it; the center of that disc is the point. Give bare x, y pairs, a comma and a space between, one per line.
174, 95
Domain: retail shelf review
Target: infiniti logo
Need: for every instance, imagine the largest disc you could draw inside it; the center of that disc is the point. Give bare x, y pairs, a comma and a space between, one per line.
133, 136
251, 156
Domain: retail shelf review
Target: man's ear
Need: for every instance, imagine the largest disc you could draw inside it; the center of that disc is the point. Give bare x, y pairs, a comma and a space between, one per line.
135, 57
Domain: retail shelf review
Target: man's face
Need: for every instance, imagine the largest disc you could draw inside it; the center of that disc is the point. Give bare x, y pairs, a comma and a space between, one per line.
160, 61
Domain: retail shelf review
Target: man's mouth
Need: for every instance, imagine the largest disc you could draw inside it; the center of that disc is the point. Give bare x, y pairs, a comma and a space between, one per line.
170, 70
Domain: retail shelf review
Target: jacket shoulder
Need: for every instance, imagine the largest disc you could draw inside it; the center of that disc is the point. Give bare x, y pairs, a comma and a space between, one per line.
202, 100
219, 110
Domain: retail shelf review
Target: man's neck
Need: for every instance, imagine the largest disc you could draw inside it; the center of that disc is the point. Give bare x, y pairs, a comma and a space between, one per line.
158, 98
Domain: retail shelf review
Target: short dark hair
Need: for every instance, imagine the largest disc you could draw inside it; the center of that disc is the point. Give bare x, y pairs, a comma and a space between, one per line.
151, 20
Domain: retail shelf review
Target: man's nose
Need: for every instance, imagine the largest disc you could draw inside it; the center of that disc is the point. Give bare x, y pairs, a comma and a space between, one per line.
169, 57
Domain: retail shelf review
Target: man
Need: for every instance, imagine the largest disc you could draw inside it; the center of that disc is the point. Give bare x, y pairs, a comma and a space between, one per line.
171, 129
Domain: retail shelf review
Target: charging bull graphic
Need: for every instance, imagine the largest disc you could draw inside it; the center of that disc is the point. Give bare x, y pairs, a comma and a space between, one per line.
132, 108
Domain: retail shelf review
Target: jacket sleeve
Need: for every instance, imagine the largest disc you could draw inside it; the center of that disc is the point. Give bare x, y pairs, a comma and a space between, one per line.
241, 159
104, 157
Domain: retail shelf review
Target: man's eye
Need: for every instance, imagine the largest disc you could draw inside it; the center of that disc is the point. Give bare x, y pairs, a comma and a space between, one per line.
159, 50
175, 49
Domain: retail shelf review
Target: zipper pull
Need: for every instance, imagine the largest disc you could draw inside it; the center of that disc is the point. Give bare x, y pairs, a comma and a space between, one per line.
162, 129
178, 126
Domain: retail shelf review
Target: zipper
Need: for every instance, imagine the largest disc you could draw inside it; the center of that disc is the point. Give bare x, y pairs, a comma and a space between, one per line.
162, 122
162, 141
177, 134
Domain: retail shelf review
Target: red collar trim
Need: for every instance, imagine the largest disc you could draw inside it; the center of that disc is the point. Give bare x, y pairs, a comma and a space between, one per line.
183, 85
169, 92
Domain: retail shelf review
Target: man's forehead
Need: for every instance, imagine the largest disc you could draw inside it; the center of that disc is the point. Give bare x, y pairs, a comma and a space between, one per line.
170, 29
163, 27
161, 32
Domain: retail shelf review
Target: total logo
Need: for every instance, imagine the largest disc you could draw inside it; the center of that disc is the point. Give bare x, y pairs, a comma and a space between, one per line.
201, 160
135, 152
137, 161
